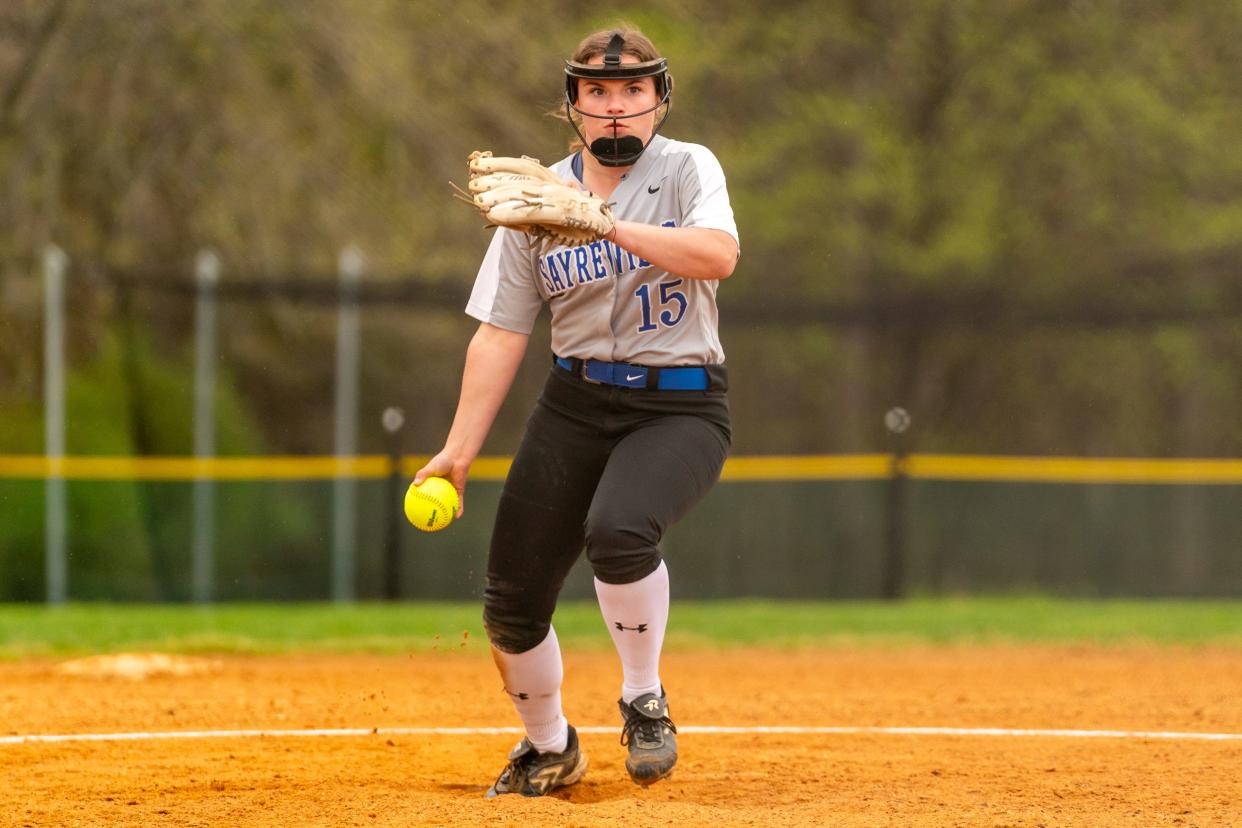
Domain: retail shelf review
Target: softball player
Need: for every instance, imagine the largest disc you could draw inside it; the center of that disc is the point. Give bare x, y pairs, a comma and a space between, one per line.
632, 427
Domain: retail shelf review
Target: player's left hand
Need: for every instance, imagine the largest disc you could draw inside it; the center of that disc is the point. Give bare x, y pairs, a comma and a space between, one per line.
522, 194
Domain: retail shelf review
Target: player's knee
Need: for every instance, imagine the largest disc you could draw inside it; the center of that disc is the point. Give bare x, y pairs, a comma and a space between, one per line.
620, 554
606, 535
513, 634
511, 626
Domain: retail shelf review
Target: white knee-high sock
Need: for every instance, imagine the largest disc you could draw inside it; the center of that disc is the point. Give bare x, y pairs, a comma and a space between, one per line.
533, 681
637, 615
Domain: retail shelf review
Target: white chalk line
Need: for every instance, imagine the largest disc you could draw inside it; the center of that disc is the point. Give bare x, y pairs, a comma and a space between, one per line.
51, 738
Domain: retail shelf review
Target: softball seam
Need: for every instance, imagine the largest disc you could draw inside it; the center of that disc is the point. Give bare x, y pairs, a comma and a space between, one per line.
437, 503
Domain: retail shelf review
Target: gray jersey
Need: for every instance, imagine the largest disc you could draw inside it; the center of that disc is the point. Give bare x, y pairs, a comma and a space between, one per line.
607, 303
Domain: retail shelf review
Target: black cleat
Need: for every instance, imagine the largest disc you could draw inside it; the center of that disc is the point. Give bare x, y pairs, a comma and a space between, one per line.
531, 773
650, 735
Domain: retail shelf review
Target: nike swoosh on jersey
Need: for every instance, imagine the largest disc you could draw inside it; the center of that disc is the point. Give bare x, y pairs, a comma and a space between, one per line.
653, 190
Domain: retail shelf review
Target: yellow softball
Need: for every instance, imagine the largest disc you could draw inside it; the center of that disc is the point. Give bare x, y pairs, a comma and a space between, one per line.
432, 505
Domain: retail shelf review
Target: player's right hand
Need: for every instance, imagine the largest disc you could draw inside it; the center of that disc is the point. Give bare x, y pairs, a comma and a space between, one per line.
454, 471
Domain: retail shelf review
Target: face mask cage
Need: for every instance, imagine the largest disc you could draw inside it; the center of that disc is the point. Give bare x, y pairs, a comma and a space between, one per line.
617, 151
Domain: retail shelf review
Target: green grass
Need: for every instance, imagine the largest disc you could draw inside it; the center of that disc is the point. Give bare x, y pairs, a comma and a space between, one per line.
33, 631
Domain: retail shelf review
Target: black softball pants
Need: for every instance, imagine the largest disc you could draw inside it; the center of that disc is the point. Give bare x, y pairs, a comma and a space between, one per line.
602, 468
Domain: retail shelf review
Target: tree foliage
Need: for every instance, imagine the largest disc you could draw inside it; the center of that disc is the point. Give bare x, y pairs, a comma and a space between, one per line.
1011, 152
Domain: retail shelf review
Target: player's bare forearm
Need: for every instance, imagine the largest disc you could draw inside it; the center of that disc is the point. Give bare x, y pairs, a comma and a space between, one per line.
492, 361
691, 252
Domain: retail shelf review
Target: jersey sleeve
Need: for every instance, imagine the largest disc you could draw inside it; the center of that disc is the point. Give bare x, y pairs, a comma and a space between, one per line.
504, 292
704, 196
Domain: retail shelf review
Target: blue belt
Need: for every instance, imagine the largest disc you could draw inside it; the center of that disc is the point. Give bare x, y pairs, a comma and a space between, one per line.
624, 375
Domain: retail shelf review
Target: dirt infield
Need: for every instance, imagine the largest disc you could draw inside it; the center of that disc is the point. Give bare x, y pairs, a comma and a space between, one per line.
723, 779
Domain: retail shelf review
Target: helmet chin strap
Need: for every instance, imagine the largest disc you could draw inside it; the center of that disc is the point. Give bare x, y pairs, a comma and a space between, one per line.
616, 151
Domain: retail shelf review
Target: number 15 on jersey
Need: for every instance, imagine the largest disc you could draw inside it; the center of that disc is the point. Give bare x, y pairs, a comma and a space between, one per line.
672, 303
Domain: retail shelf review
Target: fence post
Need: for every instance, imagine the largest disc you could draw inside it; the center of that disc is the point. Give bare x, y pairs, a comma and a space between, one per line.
345, 486
393, 420
56, 570
893, 583
206, 275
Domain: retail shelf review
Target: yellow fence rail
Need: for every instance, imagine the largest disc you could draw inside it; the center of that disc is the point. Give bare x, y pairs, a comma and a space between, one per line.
999, 468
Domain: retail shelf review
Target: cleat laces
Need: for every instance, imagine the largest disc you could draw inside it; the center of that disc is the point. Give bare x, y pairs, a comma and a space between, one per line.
644, 731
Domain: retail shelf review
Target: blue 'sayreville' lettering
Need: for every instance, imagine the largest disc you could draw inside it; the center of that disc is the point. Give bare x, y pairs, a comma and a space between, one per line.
598, 261
572, 266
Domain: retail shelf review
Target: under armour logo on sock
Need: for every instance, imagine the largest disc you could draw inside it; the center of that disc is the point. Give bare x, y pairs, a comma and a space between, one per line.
642, 628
